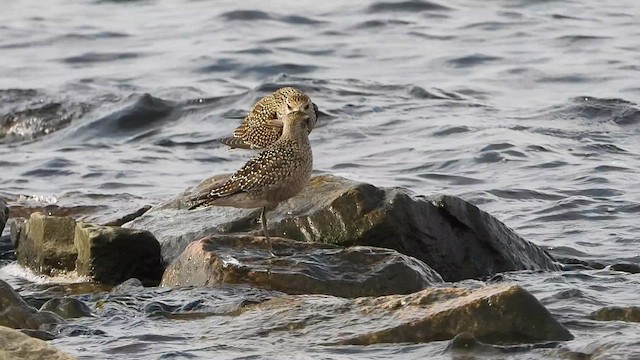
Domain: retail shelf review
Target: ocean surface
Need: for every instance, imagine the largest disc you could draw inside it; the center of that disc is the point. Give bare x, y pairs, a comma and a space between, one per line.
526, 108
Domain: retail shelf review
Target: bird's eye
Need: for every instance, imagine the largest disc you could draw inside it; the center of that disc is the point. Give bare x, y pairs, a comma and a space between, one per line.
307, 107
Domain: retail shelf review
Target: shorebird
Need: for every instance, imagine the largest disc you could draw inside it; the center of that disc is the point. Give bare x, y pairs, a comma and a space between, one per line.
257, 130
276, 174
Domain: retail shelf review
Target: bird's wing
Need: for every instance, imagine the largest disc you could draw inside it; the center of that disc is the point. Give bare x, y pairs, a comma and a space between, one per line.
264, 170
258, 135
267, 168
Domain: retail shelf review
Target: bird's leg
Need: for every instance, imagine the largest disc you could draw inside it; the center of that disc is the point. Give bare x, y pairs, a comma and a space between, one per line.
263, 220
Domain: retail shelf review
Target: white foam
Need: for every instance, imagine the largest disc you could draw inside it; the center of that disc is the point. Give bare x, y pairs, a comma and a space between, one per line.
16, 271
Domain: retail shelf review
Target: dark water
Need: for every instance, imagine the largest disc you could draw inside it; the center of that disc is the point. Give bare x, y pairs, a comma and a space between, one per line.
527, 108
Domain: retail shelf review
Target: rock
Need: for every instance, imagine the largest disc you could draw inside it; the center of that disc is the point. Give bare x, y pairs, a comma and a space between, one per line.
496, 314
466, 346
107, 254
6, 249
16, 313
7, 254
67, 308
111, 255
626, 267
501, 314
16, 231
38, 334
127, 286
4, 214
452, 236
45, 244
15, 345
307, 268
125, 218
615, 313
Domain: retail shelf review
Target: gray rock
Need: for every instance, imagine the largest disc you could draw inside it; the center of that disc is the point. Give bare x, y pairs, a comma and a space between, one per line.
67, 308
452, 236
127, 286
4, 214
299, 268
18, 314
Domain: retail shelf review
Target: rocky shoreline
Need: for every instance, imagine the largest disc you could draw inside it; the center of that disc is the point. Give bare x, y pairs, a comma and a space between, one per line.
380, 253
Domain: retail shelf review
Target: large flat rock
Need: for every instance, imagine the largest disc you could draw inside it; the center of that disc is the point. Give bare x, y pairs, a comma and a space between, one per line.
299, 268
455, 238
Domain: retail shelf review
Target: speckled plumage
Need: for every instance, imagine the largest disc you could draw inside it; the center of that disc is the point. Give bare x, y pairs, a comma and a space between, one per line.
276, 174
258, 131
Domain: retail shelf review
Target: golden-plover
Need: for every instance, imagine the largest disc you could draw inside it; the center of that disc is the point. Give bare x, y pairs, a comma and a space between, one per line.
258, 129
276, 174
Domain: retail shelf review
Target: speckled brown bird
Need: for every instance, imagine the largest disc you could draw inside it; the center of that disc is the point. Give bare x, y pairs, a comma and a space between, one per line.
276, 174
258, 130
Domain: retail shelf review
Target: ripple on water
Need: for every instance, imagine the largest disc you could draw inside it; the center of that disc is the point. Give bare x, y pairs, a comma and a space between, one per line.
405, 6
472, 60
96, 57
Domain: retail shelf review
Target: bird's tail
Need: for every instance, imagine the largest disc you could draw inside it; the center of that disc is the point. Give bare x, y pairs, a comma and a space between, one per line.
200, 200
235, 143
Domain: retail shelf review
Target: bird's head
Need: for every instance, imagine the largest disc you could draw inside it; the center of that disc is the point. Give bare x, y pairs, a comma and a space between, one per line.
296, 102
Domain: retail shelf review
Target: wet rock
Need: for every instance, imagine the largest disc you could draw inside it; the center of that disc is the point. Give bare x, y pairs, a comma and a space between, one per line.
4, 214
6, 248
571, 264
615, 313
16, 231
67, 308
7, 254
501, 314
111, 255
465, 343
127, 286
18, 346
128, 217
39, 334
45, 244
299, 268
107, 254
626, 267
466, 346
18, 314
452, 236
